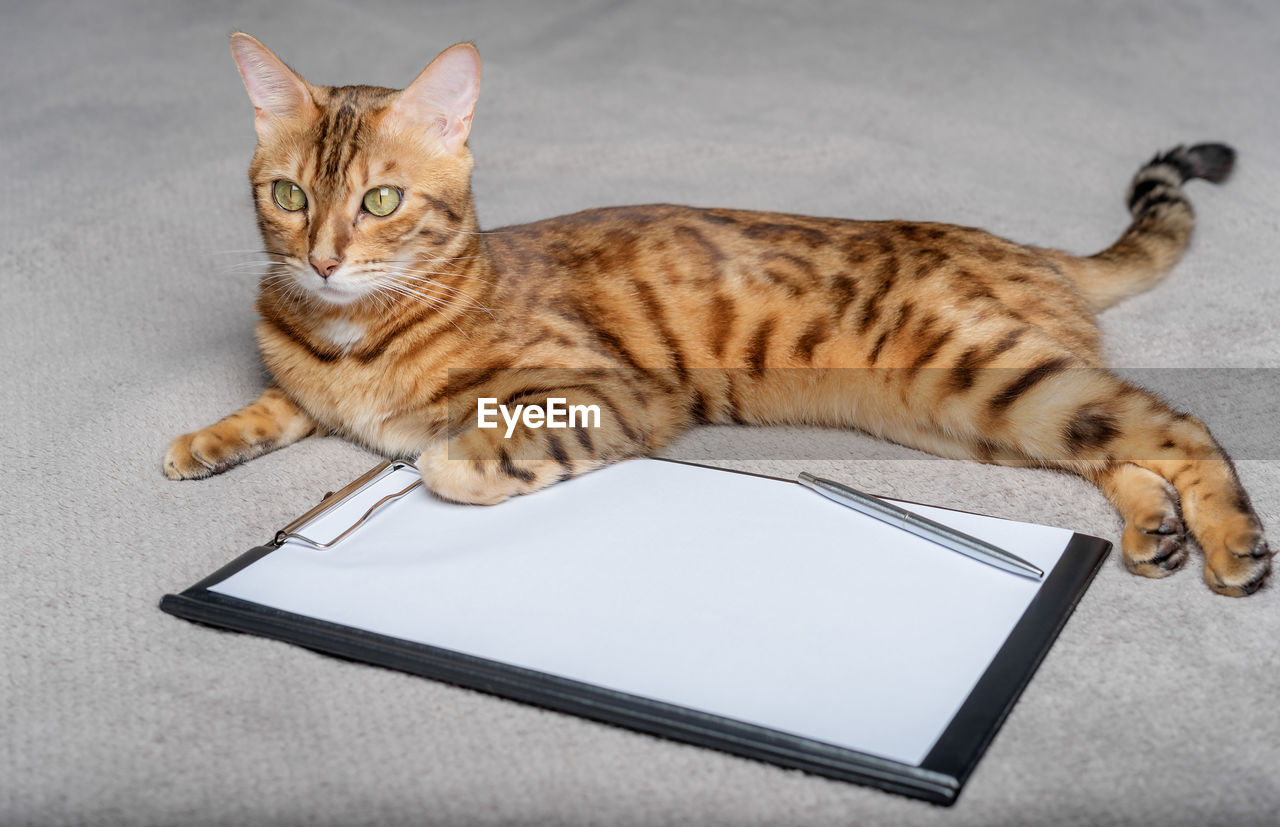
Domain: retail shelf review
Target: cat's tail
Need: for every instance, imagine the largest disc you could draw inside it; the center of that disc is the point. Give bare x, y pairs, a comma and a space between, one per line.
1162, 222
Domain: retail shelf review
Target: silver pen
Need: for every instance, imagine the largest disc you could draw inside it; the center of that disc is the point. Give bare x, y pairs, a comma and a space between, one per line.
943, 535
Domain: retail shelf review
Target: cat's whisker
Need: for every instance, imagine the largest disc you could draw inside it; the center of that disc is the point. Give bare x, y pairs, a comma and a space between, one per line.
412, 278
246, 266
281, 280
438, 301
444, 273
286, 287
461, 275
432, 298
431, 272
453, 292
419, 275
376, 298
275, 254
431, 302
433, 260
410, 282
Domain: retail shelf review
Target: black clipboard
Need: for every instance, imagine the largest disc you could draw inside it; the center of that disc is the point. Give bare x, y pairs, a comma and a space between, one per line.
939, 778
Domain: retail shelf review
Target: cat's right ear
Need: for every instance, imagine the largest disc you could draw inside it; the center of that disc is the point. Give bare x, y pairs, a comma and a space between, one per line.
277, 92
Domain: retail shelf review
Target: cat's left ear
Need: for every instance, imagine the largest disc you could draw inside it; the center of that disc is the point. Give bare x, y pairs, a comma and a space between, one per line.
443, 98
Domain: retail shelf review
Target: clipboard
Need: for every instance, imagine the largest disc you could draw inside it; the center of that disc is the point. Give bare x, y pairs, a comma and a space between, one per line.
603, 662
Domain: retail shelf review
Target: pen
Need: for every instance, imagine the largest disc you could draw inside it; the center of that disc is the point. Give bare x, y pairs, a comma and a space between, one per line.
906, 520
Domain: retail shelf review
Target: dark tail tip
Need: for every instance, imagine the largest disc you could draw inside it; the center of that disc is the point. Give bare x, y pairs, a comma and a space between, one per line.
1212, 162
1154, 185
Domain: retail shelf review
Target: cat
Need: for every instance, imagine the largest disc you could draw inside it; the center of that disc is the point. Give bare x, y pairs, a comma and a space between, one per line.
388, 316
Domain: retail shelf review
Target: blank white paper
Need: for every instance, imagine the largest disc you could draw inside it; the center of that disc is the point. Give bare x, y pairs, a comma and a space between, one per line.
742, 596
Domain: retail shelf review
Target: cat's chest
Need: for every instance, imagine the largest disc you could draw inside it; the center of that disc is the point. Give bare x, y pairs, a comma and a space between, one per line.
341, 334
355, 396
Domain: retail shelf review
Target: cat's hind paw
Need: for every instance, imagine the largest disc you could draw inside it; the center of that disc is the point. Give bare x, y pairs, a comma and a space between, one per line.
1237, 563
1157, 549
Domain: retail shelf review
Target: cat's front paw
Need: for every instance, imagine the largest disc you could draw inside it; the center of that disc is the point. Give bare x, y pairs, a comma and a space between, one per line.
464, 479
272, 421
202, 454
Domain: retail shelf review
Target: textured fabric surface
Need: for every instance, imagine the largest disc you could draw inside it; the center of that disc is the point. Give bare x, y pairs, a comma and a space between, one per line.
124, 139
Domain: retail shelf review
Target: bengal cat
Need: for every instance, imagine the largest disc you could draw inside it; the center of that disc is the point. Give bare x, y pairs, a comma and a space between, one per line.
939, 337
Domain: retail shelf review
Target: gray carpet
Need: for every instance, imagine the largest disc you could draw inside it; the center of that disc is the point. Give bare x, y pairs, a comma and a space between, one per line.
127, 320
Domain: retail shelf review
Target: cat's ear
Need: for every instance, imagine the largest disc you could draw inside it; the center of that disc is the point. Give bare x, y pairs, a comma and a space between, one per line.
443, 98
277, 92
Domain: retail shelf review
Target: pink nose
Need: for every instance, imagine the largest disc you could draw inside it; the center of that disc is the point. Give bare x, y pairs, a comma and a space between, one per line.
324, 267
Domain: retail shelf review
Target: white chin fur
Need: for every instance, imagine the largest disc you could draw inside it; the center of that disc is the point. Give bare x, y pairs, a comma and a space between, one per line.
334, 295
334, 290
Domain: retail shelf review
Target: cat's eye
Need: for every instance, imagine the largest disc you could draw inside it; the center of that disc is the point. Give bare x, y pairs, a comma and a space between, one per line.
382, 200
289, 195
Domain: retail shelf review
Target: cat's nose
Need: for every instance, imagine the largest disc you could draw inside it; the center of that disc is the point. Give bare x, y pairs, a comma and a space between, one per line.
324, 267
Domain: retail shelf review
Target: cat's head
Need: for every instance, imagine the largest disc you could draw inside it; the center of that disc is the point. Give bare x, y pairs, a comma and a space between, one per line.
357, 186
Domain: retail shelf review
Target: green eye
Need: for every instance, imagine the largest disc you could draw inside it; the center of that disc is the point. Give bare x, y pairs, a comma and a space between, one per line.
382, 200
289, 195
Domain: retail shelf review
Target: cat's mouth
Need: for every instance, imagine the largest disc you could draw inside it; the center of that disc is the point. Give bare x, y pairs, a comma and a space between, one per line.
335, 290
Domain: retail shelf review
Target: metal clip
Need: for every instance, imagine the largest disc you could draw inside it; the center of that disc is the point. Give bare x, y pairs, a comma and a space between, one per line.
331, 500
